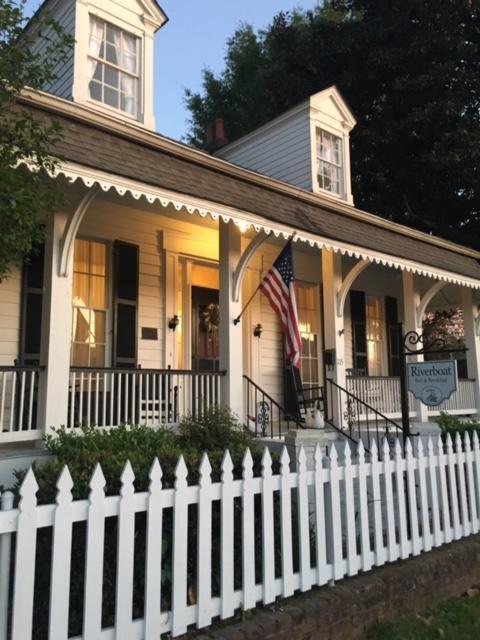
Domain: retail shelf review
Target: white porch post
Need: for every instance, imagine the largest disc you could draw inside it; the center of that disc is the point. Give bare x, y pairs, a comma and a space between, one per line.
334, 325
472, 340
231, 345
56, 332
411, 303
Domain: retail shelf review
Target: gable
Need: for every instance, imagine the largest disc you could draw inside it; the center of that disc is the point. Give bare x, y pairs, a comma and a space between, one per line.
331, 103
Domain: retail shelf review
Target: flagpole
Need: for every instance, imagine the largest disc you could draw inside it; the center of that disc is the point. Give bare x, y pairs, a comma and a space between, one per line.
237, 319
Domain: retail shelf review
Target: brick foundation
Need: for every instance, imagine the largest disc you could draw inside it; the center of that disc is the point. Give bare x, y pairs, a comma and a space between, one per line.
345, 611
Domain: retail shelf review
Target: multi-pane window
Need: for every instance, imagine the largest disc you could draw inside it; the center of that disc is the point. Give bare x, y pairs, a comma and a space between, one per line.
113, 66
307, 308
89, 304
374, 322
329, 161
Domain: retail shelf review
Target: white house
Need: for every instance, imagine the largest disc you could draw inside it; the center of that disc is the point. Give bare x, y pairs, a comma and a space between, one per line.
128, 314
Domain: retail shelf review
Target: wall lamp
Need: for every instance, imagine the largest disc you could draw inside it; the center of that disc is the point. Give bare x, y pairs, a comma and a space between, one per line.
257, 331
173, 322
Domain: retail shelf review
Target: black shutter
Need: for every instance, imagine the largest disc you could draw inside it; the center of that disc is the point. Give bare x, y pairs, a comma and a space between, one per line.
125, 303
393, 336
32, 302
359, 330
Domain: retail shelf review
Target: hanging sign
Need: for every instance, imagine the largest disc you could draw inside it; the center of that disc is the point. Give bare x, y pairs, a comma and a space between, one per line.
432, 382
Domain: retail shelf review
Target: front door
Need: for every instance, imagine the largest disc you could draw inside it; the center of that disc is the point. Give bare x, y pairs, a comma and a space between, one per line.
205, 334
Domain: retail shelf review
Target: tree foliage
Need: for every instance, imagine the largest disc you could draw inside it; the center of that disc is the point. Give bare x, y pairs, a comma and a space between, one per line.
25, 197
410, 72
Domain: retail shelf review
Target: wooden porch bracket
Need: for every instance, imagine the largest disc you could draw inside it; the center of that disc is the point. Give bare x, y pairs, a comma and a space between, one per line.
243, 264
71, 230
347, 283
426, 299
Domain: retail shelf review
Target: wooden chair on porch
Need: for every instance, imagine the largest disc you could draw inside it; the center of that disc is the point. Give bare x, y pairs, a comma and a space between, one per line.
299, 399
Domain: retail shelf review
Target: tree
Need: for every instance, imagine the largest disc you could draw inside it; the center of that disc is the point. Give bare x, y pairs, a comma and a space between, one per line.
410, 71
26, 196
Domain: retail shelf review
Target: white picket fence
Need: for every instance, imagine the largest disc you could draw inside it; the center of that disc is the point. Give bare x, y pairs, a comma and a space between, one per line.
272, 535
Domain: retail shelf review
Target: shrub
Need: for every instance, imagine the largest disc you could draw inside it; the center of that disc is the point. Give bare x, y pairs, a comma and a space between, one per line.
214, 432
453, 424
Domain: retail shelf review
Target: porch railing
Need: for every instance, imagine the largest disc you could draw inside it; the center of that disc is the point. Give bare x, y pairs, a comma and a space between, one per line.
152, 397
383, 394
19, 403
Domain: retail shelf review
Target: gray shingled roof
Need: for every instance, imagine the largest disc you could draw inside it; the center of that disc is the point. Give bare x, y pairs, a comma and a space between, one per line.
100, 148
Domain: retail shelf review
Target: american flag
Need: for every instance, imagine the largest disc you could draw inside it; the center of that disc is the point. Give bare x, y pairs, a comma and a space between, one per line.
279, 287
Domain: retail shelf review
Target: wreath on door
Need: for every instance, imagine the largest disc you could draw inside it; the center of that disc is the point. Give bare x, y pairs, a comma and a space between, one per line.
210, 318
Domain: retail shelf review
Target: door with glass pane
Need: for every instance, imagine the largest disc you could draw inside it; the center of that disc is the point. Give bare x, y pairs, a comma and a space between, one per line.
205, 326
308, 321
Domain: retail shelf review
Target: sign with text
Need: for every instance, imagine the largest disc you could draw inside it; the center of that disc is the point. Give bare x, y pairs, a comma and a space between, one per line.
432, 382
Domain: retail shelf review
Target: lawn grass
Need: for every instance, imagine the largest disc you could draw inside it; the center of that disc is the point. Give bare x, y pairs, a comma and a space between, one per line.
456, 619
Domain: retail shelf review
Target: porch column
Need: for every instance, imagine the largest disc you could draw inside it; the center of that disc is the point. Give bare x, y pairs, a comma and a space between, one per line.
411, 302
56, 331
231, 347
334, 326
471, 319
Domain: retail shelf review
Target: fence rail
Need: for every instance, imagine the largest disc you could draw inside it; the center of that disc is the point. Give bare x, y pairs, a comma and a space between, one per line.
19, 403
111, 397
185, 555
383, 394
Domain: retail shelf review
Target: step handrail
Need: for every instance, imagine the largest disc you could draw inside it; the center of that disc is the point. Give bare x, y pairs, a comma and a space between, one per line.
289, 417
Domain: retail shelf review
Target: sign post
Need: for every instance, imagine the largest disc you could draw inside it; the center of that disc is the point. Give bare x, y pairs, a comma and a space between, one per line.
432, 381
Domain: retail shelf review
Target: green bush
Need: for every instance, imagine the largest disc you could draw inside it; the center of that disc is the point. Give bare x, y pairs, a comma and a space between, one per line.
453, 424
214, 432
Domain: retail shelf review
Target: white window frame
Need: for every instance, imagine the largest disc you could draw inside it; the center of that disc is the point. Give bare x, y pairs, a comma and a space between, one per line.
135, 75
319, 130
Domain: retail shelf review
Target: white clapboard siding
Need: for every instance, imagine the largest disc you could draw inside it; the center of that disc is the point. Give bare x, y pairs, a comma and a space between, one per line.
357, 511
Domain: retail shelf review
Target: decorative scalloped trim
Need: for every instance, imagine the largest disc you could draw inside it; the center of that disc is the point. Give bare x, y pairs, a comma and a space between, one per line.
137, 190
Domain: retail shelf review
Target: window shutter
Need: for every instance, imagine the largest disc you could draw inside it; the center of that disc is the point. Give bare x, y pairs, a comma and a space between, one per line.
359, 330
393, 336
125, 303
32, 302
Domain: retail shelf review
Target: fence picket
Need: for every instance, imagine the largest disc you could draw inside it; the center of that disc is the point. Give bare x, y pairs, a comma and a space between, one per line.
25, 559
320, 540
227, 550
350, 512
363, 505
470, 484
125, 555
453, 494
335, 516
303, 522
248, 531
460, 455
376, 505
426, 537
153, 555
61, 559
393, 549
401, 506
476, 465
92, 613
445, 509
180, 535
268, 542
433, 470
204, 574
286, 524
410, 464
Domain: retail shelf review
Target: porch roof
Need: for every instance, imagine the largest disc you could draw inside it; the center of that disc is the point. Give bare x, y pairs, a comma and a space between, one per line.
125, 151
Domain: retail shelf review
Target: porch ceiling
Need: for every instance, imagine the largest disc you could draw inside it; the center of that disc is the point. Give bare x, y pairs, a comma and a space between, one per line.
147, 165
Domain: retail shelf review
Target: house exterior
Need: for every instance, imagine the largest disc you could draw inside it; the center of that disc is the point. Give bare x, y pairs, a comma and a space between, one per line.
127, 316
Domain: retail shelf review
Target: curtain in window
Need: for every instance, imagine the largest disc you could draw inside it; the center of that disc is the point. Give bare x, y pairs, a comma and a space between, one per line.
127, 59
94, 45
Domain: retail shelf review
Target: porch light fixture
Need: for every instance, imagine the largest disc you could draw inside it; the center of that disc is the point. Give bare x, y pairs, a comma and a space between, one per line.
173, 322
257, 331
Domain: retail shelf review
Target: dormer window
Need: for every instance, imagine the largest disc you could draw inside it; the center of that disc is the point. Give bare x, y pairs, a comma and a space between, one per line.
113, 56
329, 162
